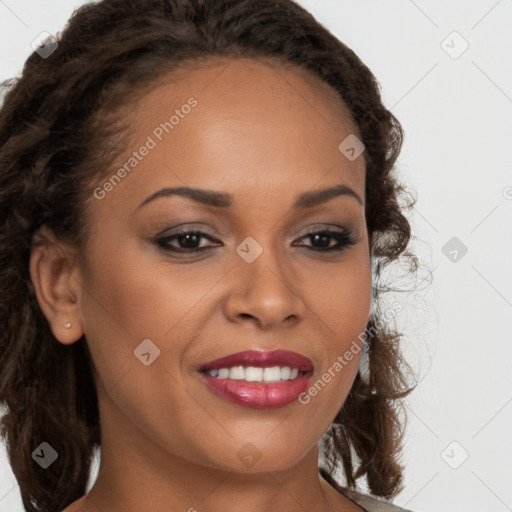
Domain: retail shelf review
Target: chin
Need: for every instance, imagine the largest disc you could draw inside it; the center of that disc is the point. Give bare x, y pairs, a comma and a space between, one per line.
251, 460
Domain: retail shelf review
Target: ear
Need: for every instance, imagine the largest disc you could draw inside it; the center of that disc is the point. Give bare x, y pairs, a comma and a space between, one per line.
54, 274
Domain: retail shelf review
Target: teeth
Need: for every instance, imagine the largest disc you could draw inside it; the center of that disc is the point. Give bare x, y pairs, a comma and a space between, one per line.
223, 373
270, 374
256, 374
237, 373
285, 372
253, 374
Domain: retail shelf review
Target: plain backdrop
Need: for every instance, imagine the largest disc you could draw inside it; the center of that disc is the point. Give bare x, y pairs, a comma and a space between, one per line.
445, 72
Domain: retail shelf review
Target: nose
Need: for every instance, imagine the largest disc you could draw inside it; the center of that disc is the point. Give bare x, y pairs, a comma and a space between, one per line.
263, 292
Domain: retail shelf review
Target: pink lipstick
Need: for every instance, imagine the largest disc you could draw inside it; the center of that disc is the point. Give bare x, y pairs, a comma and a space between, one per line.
259, 379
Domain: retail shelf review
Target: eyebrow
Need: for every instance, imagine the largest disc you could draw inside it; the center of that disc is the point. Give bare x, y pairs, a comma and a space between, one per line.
225, 200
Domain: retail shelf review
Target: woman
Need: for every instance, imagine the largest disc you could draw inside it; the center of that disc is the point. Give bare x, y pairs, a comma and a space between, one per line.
197, 202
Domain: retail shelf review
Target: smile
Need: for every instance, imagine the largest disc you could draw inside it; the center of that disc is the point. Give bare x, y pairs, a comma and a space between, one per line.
259, 379
255, 374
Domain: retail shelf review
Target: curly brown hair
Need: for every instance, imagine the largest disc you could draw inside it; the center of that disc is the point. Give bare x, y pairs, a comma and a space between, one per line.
61, 127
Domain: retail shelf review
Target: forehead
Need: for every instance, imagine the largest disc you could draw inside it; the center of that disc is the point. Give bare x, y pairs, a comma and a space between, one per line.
247, 87
253, 123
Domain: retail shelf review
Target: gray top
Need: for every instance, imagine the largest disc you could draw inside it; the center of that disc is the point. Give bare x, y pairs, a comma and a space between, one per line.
368, 503
371, 504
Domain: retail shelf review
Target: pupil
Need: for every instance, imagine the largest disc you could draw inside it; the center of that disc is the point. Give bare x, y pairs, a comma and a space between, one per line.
323, 238
190, 239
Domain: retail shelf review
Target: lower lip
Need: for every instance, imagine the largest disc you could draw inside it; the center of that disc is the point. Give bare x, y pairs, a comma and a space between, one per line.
259, 395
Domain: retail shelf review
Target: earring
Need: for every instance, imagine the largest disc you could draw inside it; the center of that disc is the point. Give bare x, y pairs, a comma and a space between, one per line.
364, 363
364, 366
67, 325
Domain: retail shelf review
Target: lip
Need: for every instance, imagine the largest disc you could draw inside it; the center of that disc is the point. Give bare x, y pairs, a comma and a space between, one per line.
259, 395
260, 359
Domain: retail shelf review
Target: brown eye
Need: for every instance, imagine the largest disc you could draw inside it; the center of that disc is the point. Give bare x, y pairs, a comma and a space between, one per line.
186, 241
321, 240
189, 241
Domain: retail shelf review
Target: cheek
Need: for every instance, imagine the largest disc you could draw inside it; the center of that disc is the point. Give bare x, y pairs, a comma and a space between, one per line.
129, 298
118, 307
342, 296
354, 298
342, 306
344, 310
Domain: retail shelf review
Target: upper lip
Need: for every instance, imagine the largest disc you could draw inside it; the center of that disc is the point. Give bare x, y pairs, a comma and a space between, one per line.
260, 359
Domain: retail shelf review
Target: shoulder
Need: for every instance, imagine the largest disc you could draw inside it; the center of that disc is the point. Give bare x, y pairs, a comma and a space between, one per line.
365, 501
369, 503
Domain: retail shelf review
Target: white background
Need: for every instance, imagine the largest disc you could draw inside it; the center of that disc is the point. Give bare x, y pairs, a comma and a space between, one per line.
457, 116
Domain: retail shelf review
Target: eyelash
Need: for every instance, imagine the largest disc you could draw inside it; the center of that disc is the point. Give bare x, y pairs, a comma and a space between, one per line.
344, 238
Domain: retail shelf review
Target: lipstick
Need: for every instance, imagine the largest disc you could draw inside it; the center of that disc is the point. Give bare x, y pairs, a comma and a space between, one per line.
257, 378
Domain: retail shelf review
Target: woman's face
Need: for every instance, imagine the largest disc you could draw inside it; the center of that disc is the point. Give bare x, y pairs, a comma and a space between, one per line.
154, 312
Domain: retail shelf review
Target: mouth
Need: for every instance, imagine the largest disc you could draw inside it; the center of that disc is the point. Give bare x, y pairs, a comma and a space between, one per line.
256, 374
259, 379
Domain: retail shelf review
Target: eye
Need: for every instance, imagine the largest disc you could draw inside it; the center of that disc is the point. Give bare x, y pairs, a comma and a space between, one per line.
323, 238
189, 241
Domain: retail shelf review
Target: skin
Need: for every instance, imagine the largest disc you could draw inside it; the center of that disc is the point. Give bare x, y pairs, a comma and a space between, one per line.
265, 134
